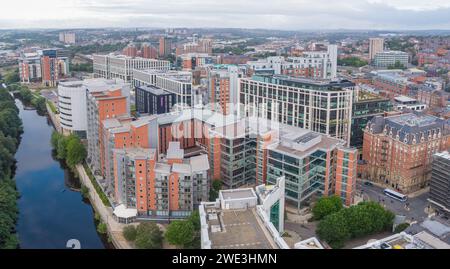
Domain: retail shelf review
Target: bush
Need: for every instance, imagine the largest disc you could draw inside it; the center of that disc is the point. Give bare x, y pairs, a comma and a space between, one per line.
130, 233
97, 187
215, 188
84, 191
326, 206
102, 228
148, 236
401, 227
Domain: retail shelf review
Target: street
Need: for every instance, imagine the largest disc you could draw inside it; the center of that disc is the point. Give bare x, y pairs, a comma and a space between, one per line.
413, 208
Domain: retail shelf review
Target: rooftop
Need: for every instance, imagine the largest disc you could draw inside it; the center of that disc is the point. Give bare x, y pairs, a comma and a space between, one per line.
236, 229
315, 84
238, 194
154, 90
404, 99
300, 142
444, 154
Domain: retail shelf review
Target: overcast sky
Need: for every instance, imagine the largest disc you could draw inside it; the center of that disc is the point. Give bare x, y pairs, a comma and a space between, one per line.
270, 14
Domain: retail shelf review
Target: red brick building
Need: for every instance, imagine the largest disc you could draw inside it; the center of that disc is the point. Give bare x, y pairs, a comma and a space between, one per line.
398, 150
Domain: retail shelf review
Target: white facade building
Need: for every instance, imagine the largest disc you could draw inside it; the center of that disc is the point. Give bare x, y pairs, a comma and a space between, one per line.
314, 64
72, 101
120, 66
376, 45
389, 58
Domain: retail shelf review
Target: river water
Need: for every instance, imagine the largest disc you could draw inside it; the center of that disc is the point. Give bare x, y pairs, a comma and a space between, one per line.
51, 210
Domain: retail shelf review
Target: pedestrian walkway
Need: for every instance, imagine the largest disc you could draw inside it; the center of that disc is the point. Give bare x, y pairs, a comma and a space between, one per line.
114, 228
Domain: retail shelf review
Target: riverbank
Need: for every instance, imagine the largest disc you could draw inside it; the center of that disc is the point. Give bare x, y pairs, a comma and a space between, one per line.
50, 212
114, 229
105, 213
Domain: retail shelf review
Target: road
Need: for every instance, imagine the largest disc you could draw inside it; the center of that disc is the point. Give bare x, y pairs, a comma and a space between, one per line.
416, 205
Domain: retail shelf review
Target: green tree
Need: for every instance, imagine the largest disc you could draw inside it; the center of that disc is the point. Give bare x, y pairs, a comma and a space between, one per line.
76, 152
12, 76
352, 61
215, 188
148, 236
194, 218
326, 206
401, 227
25, 95
40, 104
333, 229
180, 233
130, 233
61, 148
397, 65
8, 214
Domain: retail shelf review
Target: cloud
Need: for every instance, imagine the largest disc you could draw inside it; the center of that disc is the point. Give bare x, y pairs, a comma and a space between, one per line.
281, 14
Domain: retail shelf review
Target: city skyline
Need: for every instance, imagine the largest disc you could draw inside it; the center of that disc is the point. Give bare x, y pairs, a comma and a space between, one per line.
290, 15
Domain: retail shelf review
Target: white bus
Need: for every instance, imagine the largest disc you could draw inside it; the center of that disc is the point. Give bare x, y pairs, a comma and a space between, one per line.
395, 195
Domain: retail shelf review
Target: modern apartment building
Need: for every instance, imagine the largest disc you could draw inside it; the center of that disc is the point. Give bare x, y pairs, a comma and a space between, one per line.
320, 64
320, 106
398, 150
53, 67
148, 51
191, 61
67, 37
153, 100
165, 46
175, 82
376, 45
196, 46
30, 67
121, 66
390, 58
167, 188
102, 105
72, 101
130, 51
440, 183
43, 65
223, 87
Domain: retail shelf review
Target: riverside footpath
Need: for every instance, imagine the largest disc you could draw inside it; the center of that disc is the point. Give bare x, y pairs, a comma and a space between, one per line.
106, 213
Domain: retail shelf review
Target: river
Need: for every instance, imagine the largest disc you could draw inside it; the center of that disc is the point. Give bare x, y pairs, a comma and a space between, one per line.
51, 210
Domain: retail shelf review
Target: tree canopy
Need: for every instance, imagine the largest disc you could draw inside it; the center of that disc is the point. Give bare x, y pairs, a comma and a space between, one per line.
10, 131
148, 236
326, 206
355, 221
180, 233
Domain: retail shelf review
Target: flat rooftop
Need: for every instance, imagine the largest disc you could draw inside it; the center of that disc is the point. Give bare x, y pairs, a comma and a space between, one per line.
240, 229
303, 142
404, 99
154, 90
237, 194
